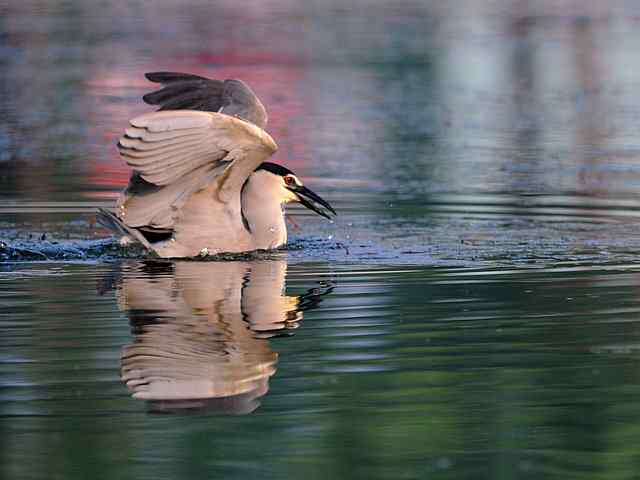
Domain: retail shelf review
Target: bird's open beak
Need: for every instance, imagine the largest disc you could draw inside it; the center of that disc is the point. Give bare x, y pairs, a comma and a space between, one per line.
311, 200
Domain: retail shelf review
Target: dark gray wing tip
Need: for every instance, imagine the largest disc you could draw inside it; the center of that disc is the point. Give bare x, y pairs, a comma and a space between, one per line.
185, 91
170, 77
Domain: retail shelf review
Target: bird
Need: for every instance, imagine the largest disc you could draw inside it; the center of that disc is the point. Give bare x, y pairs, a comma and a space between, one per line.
201, 182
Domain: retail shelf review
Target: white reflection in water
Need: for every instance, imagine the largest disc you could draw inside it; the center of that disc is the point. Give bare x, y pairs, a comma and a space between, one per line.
201, 329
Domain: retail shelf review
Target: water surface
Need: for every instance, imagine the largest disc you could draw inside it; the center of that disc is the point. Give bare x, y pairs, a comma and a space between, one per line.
470, 314
151, 369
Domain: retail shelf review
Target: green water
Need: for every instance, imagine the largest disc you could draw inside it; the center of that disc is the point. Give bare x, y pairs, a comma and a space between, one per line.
392, 372
470, 314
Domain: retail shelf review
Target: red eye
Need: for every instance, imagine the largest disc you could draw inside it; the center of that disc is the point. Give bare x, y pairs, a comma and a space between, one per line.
289, 180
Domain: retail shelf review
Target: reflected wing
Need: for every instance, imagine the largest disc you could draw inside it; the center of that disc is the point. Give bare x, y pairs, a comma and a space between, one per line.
183, 91
165, 146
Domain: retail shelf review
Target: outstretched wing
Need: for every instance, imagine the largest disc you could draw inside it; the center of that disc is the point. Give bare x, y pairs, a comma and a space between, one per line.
165, 146
174, 153
184, 91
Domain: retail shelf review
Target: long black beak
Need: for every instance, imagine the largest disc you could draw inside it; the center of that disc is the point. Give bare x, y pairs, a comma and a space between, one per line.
310, 199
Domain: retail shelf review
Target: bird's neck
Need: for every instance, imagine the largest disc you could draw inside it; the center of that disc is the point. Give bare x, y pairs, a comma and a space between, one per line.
263, 212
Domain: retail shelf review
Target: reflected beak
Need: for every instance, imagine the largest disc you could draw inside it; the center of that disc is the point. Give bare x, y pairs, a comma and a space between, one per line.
311, 200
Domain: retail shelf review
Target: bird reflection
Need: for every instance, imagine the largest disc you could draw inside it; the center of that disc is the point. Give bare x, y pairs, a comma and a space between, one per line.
200, 332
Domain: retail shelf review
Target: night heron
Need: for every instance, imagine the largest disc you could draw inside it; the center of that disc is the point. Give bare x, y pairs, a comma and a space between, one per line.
200, 181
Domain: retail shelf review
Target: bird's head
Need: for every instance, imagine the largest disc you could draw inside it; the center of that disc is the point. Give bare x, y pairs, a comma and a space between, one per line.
291, 189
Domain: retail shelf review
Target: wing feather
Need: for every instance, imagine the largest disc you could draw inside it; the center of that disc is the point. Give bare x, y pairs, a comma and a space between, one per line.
141, 157
170, 121
184, 91
165, 146
147, 205
133, 132
158, 140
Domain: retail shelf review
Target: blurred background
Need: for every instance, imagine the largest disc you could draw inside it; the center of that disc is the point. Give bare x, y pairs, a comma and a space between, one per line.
412, 97
471, 313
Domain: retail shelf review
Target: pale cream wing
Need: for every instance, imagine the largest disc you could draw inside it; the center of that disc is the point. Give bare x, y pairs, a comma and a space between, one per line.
165, 146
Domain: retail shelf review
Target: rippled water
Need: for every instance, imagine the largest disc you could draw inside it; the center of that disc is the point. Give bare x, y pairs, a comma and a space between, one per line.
376, 371
470, 314
438, 229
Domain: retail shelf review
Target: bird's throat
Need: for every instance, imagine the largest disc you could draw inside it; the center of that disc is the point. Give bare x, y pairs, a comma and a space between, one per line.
262, 215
